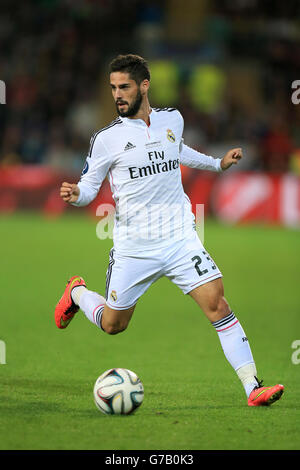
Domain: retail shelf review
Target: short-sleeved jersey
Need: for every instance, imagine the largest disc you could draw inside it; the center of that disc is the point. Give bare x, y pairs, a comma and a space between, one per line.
142, 164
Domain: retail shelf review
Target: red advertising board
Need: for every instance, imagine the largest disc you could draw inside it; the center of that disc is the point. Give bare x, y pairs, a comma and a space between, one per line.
257, 197
237, 197
37, 187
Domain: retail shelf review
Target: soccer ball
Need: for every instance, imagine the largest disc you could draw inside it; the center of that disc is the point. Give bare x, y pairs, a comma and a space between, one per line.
118, 392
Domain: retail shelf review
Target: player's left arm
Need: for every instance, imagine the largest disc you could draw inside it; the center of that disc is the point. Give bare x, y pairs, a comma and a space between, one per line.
194, 159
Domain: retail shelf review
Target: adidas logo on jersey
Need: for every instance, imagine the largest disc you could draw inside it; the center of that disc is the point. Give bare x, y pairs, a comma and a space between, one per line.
129, 146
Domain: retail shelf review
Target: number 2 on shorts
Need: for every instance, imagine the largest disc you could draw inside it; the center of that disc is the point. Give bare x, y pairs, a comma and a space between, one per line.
198, 261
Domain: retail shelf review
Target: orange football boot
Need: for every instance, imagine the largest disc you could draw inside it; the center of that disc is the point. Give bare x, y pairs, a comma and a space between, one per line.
66, 309
265, 396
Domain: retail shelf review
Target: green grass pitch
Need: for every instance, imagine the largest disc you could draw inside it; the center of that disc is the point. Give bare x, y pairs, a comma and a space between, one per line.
193, 399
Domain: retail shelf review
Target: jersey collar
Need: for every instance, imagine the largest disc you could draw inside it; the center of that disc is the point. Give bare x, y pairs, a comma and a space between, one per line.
138, 122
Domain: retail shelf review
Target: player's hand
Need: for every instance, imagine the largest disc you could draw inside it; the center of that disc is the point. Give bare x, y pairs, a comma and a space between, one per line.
69, 192
232, 157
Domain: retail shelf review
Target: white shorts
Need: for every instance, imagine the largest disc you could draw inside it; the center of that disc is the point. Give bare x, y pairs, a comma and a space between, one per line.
185, 263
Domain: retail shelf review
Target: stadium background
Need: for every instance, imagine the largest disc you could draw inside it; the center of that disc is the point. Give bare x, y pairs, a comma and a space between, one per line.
229, 67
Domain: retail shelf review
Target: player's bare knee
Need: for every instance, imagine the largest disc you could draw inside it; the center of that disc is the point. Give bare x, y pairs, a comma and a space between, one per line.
114, 328
218, 308
223, 307
113, 321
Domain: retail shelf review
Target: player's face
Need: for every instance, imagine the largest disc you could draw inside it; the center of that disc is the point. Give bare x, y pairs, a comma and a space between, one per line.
126, 93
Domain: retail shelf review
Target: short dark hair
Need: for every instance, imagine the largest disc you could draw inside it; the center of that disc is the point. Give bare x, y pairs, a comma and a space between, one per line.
135, 65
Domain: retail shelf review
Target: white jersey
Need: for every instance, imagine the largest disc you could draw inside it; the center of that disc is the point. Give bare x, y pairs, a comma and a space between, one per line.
142, 164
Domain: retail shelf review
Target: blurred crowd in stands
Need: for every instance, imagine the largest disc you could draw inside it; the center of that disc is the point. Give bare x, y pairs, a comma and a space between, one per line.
228, 67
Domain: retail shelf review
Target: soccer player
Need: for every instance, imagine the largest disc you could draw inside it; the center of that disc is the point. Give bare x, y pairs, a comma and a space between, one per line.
154, 228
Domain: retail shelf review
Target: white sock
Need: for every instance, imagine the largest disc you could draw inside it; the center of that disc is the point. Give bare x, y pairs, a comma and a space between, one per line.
77, 293
247, 375
91, 303
237, 350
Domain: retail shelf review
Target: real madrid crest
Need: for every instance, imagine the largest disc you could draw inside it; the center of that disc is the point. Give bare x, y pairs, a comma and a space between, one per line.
170, 135
113, 295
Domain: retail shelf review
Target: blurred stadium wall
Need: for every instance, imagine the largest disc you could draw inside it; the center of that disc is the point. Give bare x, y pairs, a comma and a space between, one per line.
228, 65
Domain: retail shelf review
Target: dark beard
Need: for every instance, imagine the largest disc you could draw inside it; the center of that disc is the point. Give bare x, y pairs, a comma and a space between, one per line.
133, 109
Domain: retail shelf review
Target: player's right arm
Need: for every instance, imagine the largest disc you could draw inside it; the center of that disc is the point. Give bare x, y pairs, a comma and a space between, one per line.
94, 172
